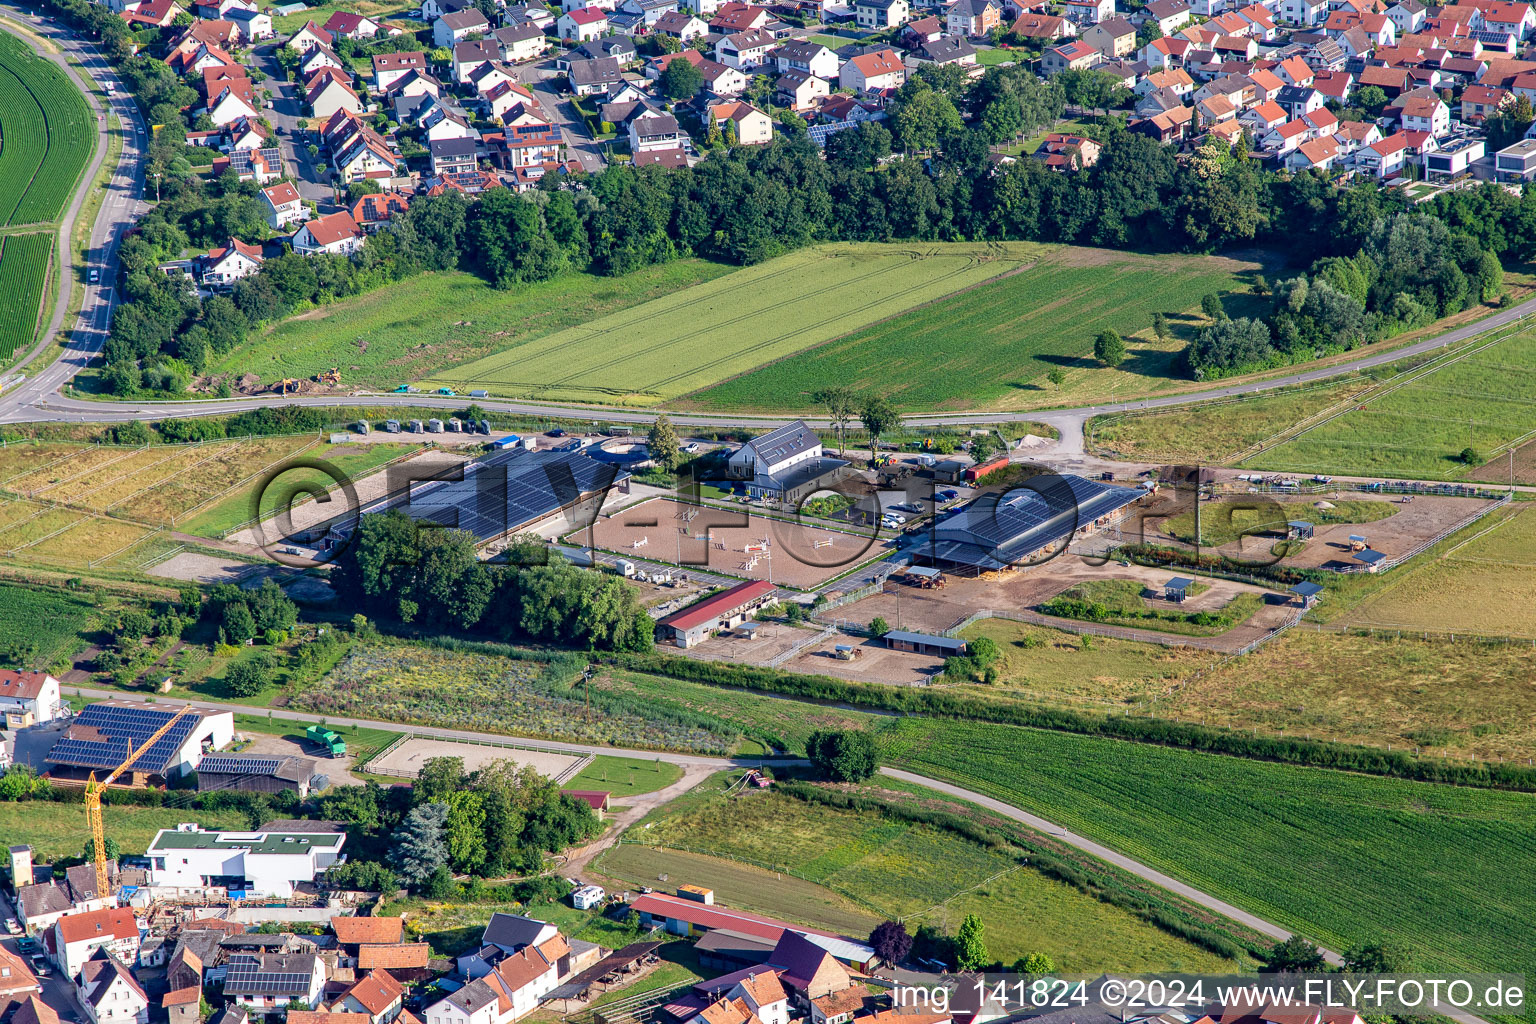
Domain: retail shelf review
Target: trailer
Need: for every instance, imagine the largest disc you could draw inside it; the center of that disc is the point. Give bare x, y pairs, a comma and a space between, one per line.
333, 744
976, 472
434, 426
392, 426
416, 427
363, 427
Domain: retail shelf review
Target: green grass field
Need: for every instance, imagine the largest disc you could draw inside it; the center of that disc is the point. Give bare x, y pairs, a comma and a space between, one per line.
624, 776
1482, 400
1337, 856
49, 135
430, 322
994, 346
1124, 603
697, 337
846, 869
24, 263
59, 830
1220, 525
47, 623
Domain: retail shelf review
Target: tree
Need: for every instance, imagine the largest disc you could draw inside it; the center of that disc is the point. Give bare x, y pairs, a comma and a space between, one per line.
1211, 306
418, 848
249, 677
1057, 377
839, 401
970, 944
1490, 277
1377, 956
891, 942
878, 626
1294, 956
113, 849
878, 417
926, 120
1160, 326
464, 830
1471, 456
439, 778
663, 445
843, 755
1035, 964
1109, 348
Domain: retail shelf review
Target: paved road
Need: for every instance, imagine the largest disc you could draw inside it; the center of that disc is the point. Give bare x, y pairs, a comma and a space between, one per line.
285, 114
122, 207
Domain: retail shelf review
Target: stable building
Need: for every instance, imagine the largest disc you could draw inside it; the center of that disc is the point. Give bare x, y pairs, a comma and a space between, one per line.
924, 643
785, 464
256, 774
694, 624
100, 738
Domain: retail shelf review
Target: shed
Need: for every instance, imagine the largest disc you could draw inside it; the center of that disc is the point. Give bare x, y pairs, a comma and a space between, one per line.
750, 628
950, 471
1370, 558
1299, 529
1307, 592
1357, 542
924, 643
1177, 589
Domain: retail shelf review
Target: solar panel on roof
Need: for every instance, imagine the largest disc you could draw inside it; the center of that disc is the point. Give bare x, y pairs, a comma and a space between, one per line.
240, 765
120, 727
247, 976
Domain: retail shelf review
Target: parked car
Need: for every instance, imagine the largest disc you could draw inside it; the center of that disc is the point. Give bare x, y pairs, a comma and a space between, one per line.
691, 447
95, 275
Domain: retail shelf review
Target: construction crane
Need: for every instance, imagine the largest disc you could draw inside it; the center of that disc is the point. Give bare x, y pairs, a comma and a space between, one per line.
93, 796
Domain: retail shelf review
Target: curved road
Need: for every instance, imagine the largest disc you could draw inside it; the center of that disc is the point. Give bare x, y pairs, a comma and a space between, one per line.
122, 207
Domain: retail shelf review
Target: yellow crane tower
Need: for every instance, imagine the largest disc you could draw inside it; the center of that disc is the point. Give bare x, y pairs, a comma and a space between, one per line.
93, 797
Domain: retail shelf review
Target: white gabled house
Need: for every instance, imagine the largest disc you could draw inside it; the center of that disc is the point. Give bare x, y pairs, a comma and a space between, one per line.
109, 992
284, 206
335, 233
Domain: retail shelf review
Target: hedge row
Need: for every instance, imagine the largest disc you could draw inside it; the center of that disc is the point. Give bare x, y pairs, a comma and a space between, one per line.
1187, 735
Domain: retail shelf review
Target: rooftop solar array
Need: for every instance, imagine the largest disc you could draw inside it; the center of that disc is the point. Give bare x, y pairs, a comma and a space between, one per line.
119, 726
818, 132
508, 490
258, 976
996, 530
235, 765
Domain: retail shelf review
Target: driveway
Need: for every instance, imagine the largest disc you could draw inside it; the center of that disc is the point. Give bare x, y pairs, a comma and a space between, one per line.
285, 116
579, 145
58, 995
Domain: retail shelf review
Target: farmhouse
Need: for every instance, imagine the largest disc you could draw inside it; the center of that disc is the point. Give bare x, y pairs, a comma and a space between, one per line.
27, 698
1001, 531
267, 863
810, 960
694, 624
785, 464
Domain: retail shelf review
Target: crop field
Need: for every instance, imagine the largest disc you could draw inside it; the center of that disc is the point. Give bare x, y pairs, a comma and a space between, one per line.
1442, 869
1418, 429
489, 693
995, 345
46, 135
698, 337
888, 867
428, 323
1485, 586
49, 621
24, 261
57, 830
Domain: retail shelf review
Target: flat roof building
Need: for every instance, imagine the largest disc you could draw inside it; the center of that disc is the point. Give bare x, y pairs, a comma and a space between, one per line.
924, 643
269, 863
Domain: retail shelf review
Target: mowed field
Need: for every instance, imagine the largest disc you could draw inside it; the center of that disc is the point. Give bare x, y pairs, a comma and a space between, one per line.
47, 131
697, 337
56, 830
427, 323
1337, 856
24, 261
995, 345
803, 857
1418, 423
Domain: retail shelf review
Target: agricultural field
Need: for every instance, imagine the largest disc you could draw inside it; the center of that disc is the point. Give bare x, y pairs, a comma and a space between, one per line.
702, 335
881, 866
1416, 424
1391, 689
1442, 868
490, 693
428, 323
40, 628
24, 263
995, 345
57, 830
48, 135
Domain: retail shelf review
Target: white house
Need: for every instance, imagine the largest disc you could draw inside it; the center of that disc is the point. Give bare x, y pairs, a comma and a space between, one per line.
377, 995
75, 938
1426, 114
268, 981
583, 24
775, 452
872, 15
27, 698
310, 36
870, 72
455, 27
228, 263
389, 68
269, 863
284, 207
110, 993
1383, 159
804, 55
745, 50
511, 991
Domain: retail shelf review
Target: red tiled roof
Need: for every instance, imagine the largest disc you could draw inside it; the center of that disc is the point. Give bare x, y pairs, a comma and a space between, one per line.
350, 930
594, 798
719, 605
402, 957
333, 227
377, 992
114, 923
587, 15
22, 685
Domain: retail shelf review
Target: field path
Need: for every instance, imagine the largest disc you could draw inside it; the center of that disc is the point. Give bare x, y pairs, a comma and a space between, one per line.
695, 766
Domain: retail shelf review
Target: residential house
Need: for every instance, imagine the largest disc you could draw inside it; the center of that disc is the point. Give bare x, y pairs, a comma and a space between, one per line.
284, 207
1175, 79
230, 97
654, 130
75, 938
582, 24
1113, 37
1455, 156
1168, 52
1152, 103
738, 17
1409, 16
330, 91
1426, 114
1089, 12
872, 72
1479, 101
153, 13
921, 30
590, 77
389, 68
745, 51
874, 15
509, 992
431, 10
27, 698
455, 155
377, 995
1299, 101
309, 37
366, 157
683, 27
1049, 27
753, 127
1516, 19
471, 54
1074, 55
804, 55
1170, 15
944, 50
1294, 71
532, 145
18, 985
1516, 162
1062, 152
1304, 14
721, 79
620, 48
346, 25
800, 90
1262, 118
109, 992
228, 263
252, 25
267, 981
974, 18
521, 42
1315, 154
1214, 109
455, 27
320, 58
